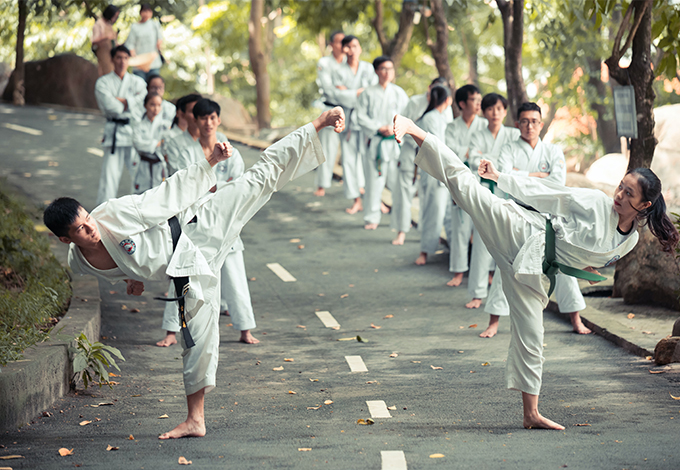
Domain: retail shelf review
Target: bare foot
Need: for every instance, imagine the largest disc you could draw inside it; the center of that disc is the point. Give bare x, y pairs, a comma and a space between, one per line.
492, 329
474, 303
362, 191
421, 259
384, 209
248, 338
490, 278
225, 312
186, 429
320, 192
537, 421
401, 237
333, 117
455, 282
356, 207
578, 325
371, 226
169, 340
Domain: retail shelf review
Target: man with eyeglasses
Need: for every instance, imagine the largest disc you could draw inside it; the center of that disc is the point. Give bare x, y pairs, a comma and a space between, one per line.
530, 156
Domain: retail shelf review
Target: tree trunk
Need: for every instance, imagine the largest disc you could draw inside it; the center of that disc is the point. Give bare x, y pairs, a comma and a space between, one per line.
439, 47
18, 98
396, 47
512, 12
606, 128
258, 63
640, 75
471, 52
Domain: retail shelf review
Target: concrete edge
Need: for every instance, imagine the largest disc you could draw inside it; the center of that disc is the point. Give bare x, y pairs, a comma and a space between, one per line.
31, 385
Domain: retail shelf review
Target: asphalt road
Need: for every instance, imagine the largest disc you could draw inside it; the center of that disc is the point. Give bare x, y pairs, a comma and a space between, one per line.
446, 384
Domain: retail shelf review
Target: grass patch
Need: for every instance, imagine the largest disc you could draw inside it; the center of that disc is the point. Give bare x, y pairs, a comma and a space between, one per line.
34, 287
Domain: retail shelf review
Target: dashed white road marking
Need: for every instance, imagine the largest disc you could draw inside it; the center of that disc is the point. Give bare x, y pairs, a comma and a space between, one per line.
378, 409
280, 271
393, 460
327, 319
25, 130
95, 151
356, 364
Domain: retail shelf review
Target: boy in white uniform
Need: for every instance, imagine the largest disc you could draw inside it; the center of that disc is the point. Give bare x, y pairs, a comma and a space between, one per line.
486, 144
130, 239
350, 80
147, 138
376, 108
330, 141
530, 156
175, 146
120, 97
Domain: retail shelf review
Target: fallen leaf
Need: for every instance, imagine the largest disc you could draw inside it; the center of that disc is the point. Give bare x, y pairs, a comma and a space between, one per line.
344, 296
314, 407
416, 362
304, 449
461, 327
631, 316
322, 295
111, 374
474, 325
163, 416
647, 333
295, 240
657, 371
392, 408
674, 398
11, 457
183, 461
361, 340
278, 368
113, 382
371, 382
485, 363
112, 292
461, 352
375, 270
313, 380
253, 279
389, 316
582, 424
472, 371
97, 419
64, 452
124, 307
301, 326
46, 414
333, 328
394, 354
436, 456
649, 358
134, 310
347, 339
365, 422
375, 326
436, 367
290, 392
325, 273
131, 437
288, 359
110, 447
135, 396
328, 402
301, 247
84, 423
351, 285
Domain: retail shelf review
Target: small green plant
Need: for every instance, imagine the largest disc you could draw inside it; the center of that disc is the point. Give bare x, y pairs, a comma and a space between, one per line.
90, 360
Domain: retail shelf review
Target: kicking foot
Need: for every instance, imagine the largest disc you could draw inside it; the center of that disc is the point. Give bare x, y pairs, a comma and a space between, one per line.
320, 192
371, 226
578, 325
401, 237
474, 303
334, 117
356, 207
539, 422
248, 338
384, 209
455, 282
422, 259
169, 340
186, 429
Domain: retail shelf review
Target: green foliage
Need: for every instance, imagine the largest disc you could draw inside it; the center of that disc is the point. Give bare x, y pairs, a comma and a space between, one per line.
34, 287
90, 361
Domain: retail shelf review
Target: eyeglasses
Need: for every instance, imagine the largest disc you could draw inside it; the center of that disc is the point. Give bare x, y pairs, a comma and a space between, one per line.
529, 122
382, 69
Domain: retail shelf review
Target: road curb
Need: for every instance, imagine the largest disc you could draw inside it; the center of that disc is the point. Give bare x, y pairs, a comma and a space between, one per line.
31, 385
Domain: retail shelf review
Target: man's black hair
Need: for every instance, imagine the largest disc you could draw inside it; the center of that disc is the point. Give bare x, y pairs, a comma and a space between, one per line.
378, 61
332, 36
528, 106
120, 48
185, 100
145, 6
60, 215
205, 107
440, 81
110, 11
491, 99
153, 77
349, 38
464, 92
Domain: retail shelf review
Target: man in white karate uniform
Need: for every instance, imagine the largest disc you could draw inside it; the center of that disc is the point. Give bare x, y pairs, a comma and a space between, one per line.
234, 293
120, 97
375, 110
458, 224
402, 196
330, 141
350, 80
530, 156
130, 239
174, 147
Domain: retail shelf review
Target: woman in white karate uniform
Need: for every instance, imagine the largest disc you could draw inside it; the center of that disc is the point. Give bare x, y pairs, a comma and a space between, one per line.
147, 138
591, 230
434, 196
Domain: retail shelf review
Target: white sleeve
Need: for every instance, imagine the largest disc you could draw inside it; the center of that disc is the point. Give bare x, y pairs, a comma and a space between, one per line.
142, 140
369, 125
106, 100
475, 154
544, 196
506, 161
558, 167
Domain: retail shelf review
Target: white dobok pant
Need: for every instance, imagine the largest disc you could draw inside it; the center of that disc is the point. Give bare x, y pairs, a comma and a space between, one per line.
458, 230
352, 143
434, 198
330, 143
112, 170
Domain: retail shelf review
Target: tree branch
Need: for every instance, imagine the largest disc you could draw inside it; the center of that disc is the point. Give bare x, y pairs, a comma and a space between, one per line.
630, 37
378, 24
616, 52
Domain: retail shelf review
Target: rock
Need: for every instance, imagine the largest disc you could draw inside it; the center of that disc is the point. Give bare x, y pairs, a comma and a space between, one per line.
676, 328
647, 275
667, 350
66, 80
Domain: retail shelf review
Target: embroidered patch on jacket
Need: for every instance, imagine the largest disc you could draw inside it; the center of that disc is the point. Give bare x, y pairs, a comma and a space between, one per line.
129, 246
544, 167
612, 261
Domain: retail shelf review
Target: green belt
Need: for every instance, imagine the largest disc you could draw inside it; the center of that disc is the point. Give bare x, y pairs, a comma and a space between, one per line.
551, 267
378, 156
491, 183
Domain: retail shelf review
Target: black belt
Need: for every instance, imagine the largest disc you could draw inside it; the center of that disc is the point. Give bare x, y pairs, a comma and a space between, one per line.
152, 159
117, 122
332, 105
181, 286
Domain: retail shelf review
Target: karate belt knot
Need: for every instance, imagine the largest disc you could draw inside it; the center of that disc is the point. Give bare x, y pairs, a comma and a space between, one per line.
378, 155
117, 122
181, 286
551, 267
